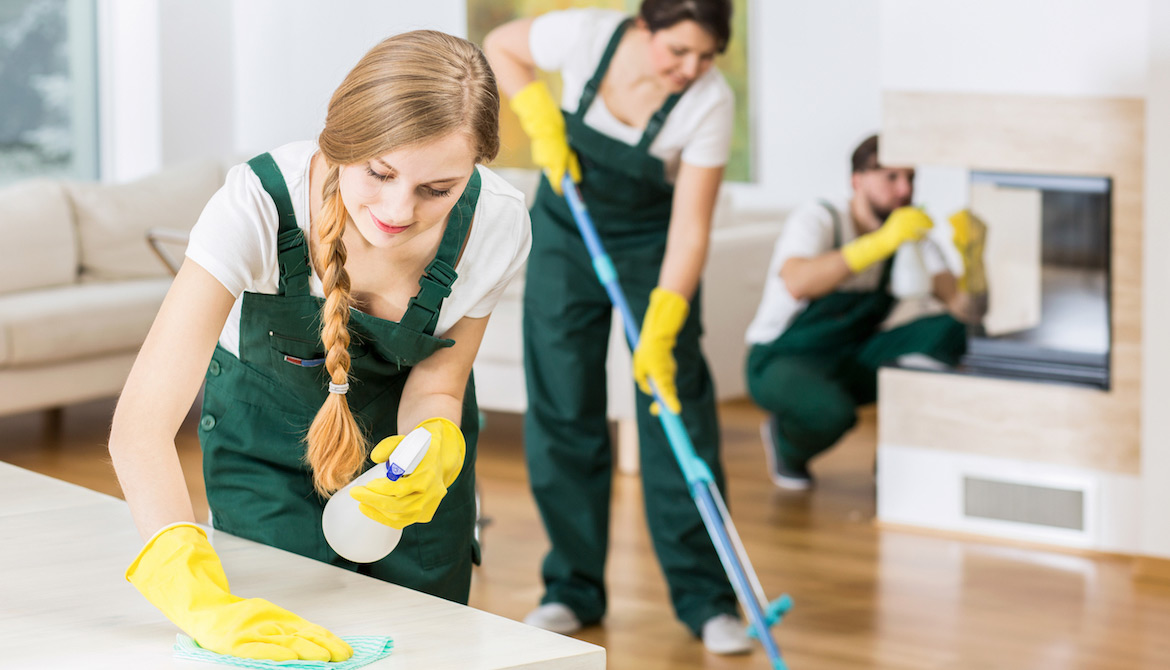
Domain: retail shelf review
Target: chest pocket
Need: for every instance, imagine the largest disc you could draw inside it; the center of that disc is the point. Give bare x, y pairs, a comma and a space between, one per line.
300, 363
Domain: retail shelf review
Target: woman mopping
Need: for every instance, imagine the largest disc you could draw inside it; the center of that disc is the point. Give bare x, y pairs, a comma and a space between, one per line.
646, 130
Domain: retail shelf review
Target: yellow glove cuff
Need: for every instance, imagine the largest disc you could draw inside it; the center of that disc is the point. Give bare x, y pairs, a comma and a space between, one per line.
665, 316
167, 542
538, 112
866, 250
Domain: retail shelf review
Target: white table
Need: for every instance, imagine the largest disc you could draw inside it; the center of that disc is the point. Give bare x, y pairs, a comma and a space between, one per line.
64, 602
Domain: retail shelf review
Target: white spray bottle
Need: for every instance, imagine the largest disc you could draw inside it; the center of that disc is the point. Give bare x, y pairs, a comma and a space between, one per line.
355, 536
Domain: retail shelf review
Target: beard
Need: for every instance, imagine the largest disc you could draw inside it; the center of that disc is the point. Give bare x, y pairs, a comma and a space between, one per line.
883, 213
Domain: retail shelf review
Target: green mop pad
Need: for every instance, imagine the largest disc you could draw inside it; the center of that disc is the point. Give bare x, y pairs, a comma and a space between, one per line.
366, 650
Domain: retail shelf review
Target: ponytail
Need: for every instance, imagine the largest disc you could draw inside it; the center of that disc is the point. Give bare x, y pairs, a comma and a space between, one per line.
336, 445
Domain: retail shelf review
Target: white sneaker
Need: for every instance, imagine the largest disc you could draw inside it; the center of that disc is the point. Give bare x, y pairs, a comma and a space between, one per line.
783, 476
556, 617
920, 362
725, 634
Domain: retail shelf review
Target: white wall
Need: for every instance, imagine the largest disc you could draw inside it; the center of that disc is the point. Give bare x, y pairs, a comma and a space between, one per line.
291, 54
1156, 304
1029, 47
183, 80
129, 107
815, 94
196, 61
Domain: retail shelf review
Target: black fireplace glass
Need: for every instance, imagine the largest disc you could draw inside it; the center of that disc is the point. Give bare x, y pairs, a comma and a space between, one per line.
1048, 262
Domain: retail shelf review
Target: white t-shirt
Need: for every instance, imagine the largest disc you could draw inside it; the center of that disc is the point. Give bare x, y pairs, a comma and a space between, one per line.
697, 130
807, 233
235, 240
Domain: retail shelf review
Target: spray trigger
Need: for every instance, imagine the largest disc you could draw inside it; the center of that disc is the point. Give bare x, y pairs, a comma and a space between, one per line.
408, 454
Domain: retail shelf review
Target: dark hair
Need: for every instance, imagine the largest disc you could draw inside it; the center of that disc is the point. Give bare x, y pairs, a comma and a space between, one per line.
865, 156
714, 16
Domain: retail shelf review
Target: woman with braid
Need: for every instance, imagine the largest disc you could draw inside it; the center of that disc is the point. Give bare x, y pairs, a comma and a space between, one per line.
333, 296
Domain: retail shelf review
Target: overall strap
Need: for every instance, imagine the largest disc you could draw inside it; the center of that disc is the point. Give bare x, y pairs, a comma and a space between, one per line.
594, 84
422, 313
654, 125
888, 264
292, 252
836, 222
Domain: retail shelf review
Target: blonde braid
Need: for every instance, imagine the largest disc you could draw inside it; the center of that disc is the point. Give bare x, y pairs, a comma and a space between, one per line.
336, 444
410, 89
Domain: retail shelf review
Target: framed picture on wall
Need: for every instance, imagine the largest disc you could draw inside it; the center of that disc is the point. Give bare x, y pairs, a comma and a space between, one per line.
484, 15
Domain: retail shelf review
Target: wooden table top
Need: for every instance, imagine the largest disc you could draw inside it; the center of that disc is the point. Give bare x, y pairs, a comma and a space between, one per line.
64, 602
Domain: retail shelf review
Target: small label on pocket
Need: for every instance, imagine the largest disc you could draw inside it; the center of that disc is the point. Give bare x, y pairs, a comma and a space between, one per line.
304, 362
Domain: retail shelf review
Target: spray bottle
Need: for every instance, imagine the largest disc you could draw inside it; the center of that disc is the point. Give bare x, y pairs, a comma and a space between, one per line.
355, 536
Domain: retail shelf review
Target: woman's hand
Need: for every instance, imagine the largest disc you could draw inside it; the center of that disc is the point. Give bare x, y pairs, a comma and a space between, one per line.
179, 573
414, 498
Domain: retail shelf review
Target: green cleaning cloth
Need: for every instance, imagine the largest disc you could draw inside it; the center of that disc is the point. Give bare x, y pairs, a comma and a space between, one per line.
366, 650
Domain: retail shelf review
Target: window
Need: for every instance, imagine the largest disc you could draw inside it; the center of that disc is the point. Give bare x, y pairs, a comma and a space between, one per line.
48, 89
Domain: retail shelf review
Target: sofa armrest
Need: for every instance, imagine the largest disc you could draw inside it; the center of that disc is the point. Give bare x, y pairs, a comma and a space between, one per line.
733, 282
162, 240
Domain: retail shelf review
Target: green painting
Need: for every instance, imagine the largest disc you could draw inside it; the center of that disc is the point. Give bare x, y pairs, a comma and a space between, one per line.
483, 15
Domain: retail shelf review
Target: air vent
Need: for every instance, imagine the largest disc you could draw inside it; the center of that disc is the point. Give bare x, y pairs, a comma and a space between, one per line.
1024, 503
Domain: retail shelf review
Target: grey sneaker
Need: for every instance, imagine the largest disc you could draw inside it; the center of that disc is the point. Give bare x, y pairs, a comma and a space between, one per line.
784, 475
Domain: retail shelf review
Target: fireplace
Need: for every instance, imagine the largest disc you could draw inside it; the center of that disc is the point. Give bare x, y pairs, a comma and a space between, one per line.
996, 449
1048, 274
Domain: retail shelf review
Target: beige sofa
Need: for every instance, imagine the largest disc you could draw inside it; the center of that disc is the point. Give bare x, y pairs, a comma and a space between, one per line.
79, 284
741, 246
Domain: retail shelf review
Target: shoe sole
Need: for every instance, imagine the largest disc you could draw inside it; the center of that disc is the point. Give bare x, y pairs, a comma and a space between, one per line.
787, 483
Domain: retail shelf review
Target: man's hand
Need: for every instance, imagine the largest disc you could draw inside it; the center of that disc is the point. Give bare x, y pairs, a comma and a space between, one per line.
905, 224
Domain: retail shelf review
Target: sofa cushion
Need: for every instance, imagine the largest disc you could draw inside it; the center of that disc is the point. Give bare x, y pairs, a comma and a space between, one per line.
40, 247
112, 220
58, 324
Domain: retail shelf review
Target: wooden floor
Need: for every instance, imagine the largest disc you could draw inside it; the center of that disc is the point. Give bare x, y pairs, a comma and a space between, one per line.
866, 597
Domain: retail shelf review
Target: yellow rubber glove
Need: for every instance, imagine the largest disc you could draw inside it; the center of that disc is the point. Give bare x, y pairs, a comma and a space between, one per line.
654, 357
544, 124
415, 497
905, 224
970, 235
180, 574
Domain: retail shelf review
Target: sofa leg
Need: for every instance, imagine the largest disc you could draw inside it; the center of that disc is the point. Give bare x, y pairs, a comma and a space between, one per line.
54, 419
627, 446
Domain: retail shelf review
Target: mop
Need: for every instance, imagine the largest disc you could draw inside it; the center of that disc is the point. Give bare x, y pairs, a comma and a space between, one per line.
761, 613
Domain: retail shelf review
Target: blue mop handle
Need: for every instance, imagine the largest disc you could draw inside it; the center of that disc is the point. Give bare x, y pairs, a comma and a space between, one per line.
694, 469
698, 475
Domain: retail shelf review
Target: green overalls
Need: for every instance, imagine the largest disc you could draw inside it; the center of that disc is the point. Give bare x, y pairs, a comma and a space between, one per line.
816, 373
566, 332
257, 409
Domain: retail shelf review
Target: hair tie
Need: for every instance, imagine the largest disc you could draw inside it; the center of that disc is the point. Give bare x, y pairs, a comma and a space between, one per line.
339, 389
